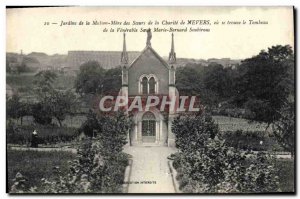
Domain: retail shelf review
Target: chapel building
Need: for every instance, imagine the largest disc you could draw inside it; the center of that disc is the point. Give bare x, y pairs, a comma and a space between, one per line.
149, 74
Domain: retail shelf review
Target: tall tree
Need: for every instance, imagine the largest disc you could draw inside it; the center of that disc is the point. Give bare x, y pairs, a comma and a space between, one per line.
112, 81
90, 78
60, 104
52, 103
219, 80
44, 82
189, 80
16, 109
262, 83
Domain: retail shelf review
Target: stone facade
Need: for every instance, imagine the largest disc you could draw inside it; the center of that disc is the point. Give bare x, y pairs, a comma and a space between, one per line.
147, 75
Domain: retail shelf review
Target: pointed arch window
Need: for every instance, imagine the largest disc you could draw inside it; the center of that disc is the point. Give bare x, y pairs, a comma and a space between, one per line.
152, 85
148, 84
144, 85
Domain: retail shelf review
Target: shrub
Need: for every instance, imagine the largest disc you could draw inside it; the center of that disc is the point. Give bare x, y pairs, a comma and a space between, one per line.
256, 174
111, 130
191, 131
207, 165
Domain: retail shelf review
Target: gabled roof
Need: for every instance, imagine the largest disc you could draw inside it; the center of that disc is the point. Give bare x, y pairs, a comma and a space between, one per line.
155, 54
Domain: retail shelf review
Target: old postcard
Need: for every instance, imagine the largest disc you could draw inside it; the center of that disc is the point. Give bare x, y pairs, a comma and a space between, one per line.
129, 100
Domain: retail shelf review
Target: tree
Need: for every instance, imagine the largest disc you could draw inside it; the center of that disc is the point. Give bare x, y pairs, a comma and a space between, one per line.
284, 128
212, 83
60, 103
219, 80
52, 102
16, 109
41, 113
112, 81
90, 78
263, 85
44, 83
22, 68
189, 80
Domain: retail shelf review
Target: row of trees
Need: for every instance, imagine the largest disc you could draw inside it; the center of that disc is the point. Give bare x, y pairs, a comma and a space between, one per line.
263, 84
49, 102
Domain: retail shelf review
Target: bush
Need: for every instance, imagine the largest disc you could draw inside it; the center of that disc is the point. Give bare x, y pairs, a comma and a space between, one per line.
192, 131
206, 165
256, 174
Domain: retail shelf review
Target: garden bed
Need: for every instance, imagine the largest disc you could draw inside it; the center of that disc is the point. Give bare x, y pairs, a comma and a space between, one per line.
35, 165
285, 169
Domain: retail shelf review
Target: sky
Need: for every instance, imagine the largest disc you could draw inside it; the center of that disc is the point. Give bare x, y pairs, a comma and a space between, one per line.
26, 30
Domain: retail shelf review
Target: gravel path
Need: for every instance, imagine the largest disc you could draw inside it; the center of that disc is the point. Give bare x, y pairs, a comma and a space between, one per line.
150, 171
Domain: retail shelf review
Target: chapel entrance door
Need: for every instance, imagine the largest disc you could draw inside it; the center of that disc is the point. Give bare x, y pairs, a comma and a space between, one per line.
148, 127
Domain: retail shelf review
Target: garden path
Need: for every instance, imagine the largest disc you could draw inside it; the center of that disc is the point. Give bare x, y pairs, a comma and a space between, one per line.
150, 171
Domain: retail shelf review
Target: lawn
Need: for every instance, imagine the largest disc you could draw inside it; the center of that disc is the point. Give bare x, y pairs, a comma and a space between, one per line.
35, 165
232, 124
253, 133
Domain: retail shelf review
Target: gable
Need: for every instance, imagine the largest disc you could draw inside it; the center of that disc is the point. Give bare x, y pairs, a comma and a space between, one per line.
148, 62
149, 55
